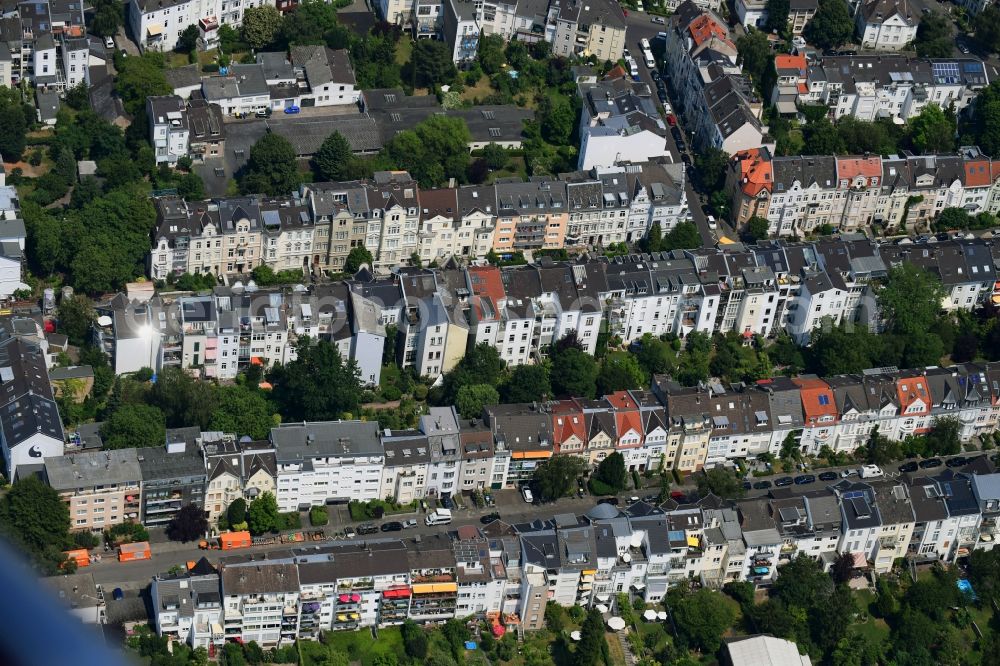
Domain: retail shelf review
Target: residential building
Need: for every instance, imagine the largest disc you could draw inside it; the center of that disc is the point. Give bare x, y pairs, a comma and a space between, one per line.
100, 488
188, 607
173, 476
886, 25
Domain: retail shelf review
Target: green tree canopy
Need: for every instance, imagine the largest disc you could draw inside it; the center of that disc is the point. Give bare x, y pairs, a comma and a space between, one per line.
702, 618
757, 59
471, 399
140, 77
318, 385
987, 29
271, 167
237, 511
33, 517
309, 23
243, 410
611, 472
757, 228
620, 372
777, 16
187, 41
107, 18
356, 257
491, 53
527, 383
932, 131
480, 365
557, 476
334, 158
592, 649
934, 38
432, 64
183, 399
557, 117
831, 26
721, 482
684, 236
189, 524
134, 425
263, 514
434, 150
574, 373
76, 315
261, 25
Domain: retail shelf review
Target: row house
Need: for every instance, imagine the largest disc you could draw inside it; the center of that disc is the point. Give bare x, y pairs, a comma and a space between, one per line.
507, 573
886, 25
235, 469
868, 87
100, 488
158, 24
799, 194
619, 122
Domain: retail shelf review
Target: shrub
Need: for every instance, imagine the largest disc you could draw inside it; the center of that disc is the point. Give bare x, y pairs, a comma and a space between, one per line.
391, 393
318, 516
289, 521
598, 487
86, 540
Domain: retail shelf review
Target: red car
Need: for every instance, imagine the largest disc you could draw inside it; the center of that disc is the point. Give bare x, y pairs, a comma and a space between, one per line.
624, 11
671, 120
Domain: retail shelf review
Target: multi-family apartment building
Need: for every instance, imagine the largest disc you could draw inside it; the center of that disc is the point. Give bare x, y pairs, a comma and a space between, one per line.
158, 24
100, 488
886, 25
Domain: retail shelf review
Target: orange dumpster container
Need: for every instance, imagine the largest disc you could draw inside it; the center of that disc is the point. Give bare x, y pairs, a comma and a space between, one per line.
128, 552
231, 540
80, 556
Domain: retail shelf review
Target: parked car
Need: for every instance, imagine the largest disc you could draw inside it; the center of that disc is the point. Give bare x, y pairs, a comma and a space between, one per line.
658, 20
117, 594
447, 502
762, 485
672, 120
676, 133
804, 479
957, 461
409, 523
662, 96
871, 472
526, 494
655, 75
784, 481
651, 499
908, 467
292, 109
367, 528
827, 476
686, 159
747, 485
848, 472
489, 518
109, 43
929, 463
394, 526
350, 533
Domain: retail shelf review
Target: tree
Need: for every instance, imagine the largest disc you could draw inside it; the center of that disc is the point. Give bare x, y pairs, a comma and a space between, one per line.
527, 383
943, 439
76, 316
480, 365
261, 25
721, 482
236, 514
843, 568
140, 77
932, 131
822, 138
910, 301
710, 169
757, 58
702, 620
271, 168
432, 64
243, 410
987, 29
187, 41
496, 156
309, 23
318, 385
611, 472
757, 228
801, 583
190, 187
620, 372
592, 649
684, 236
983, 128
881, 450
183, 399
107, 18
134, 426
557, 476
557, 119
33, 517
490, 54
831, 26
574, 373
13, 128
655, 356
934, 39
189, 524
415, 641
953, 218
263, 514
777, 16
472, 398
434, 150
356, 258
334, 158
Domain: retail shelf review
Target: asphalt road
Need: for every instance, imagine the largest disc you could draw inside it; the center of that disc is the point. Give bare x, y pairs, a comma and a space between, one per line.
640, 26
891, 471
110, 573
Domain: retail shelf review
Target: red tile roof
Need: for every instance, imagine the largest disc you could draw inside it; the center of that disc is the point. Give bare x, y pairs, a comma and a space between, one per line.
793, 62
817, 400
852, 167
756, 173
704, 28
977, 173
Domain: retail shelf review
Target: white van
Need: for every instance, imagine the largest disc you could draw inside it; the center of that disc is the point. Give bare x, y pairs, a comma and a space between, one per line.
438, 517
712, 224
644, 43
526, 494
871, 472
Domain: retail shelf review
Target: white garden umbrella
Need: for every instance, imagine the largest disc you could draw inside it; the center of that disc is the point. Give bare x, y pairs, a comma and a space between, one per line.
601, 608
575, 635
616, 623
650, 615
662, 615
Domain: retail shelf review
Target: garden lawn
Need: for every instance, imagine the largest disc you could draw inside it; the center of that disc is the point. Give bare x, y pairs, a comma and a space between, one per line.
360, 646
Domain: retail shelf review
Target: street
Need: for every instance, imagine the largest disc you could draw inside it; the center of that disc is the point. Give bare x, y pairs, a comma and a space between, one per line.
641, 26
111, 573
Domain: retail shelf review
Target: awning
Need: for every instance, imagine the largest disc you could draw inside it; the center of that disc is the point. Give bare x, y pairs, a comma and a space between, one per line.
693, 542
639, 586
520, 455
398, 593
256, 360
355, 597
859, 560
154, 29
589, 572
430, 588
